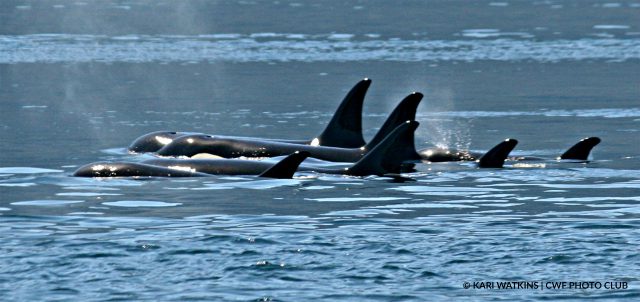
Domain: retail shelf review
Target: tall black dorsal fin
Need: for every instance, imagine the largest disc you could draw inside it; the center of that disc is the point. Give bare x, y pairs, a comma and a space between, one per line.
389, 155
405, 111
581, 150
345, 128
286, 167
495, 157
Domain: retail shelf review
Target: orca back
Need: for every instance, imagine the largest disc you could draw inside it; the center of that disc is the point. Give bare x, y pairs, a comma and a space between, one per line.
130, 169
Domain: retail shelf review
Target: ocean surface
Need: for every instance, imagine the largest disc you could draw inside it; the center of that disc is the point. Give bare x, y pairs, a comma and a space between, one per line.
80, 80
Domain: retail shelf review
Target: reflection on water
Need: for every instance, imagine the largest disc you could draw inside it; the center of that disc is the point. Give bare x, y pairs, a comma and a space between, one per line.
311, 234
307, 236
306, 257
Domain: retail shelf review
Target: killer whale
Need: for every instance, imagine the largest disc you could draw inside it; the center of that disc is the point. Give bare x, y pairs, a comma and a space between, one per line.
385, 159
344, 130
153, 141
578, 152
495, 157
382, 160
581, 150
282, 169
233, 147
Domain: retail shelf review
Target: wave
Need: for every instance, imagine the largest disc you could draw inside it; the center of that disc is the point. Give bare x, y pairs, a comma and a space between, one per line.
604, 112
276, 47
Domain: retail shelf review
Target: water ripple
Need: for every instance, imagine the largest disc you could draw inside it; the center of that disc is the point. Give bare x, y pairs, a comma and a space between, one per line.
603, 112
27, 170
140, 203
276, 47
45, 202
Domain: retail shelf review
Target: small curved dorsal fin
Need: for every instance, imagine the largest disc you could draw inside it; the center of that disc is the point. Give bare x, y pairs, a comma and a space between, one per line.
495, 157
581, 150
286, 167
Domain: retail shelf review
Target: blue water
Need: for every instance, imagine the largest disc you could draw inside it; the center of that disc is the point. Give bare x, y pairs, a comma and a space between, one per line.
80, 80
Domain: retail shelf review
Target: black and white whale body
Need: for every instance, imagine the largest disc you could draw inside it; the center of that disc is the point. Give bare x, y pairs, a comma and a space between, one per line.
130, 169
233, 147
579, 152
153, 141
494, 158
344, 130
385, 158
177, 168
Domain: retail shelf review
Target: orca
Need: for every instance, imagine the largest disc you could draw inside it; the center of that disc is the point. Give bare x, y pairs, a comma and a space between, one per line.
495, 157
384, 159
436, 155
153, 141
233, 147
581, 150
578, 152
344, 130
282, 169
